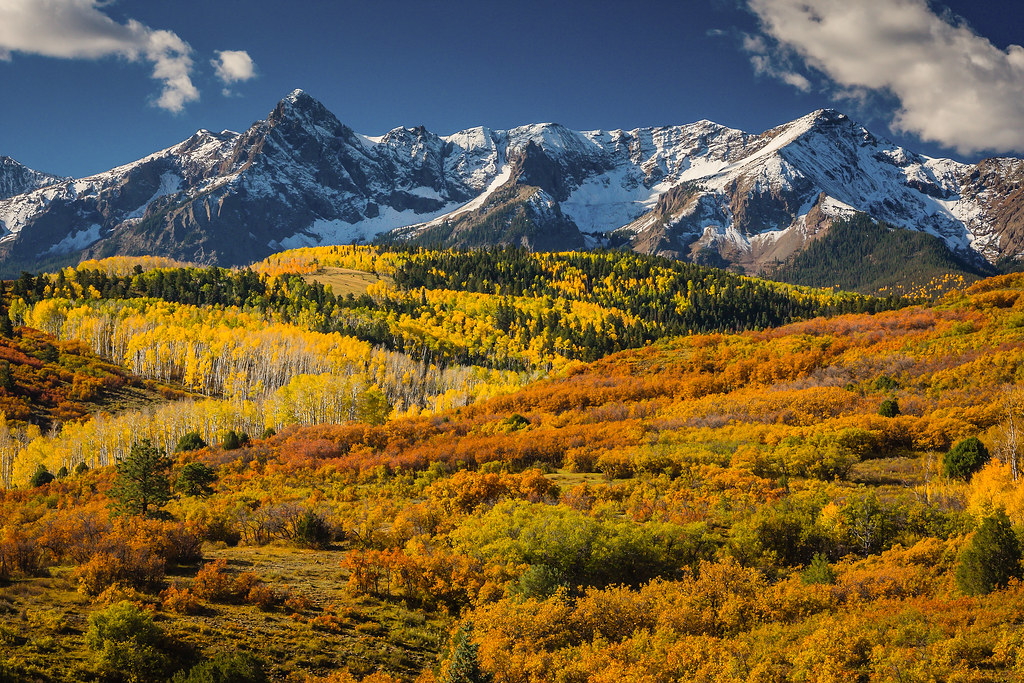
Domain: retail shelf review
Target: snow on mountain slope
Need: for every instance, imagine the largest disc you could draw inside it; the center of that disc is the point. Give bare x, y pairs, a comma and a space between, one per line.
698, 191
16, 178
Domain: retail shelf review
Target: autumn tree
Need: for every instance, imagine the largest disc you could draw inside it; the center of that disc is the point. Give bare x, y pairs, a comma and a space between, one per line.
142, 480
992, 558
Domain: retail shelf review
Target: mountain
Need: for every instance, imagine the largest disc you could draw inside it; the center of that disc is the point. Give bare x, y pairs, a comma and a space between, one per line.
16, 178
700, 192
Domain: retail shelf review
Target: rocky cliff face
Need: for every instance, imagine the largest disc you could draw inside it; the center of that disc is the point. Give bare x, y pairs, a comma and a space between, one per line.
700, 192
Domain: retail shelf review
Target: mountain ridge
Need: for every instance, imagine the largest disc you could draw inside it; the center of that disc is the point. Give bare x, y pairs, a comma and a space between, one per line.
701, 192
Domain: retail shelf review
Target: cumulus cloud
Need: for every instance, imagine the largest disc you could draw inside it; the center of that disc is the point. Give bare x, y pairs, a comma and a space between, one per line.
77, 29
952, 86
233, 66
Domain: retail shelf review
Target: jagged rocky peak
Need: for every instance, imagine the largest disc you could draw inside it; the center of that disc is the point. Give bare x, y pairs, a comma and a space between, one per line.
17, 178
304, 113
697, 191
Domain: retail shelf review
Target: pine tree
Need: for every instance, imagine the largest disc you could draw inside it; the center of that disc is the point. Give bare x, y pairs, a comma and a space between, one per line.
6, 377
992, 558
196, 479
142, 480
41, 477
889, 408
6, 328
190, 441
965, 458
464, 665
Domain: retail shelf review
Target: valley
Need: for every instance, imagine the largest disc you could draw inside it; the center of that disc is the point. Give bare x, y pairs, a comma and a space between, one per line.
544, 466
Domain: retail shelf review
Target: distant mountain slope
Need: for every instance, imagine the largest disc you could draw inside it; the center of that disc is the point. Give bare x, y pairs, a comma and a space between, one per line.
699, 192
860, 255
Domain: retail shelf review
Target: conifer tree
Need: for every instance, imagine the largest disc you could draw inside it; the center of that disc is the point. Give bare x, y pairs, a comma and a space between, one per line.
142, 480
464, 665
992, 558
965, 458
196, 479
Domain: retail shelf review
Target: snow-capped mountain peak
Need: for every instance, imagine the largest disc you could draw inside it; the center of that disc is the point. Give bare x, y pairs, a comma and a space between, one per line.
697, 191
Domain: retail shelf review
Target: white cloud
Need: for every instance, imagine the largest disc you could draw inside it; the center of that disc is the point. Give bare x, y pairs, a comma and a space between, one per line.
233, 66
77, 29
774, 63
953, 86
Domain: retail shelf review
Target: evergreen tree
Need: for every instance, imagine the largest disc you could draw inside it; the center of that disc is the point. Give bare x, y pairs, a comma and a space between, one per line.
889, 408
191, 441
464, 665
992, 558
41, 477
818, 571
965, 458
6, 328
142, 480
6, 376
231, 441
196, 479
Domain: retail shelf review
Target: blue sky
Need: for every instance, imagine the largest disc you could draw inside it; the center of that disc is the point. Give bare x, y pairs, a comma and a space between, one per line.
81, 94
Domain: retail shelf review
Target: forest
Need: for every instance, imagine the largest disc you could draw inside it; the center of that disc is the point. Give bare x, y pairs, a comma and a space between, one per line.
509, 467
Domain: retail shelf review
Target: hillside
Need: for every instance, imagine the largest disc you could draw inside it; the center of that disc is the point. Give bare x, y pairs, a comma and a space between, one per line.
860, 255
758, 503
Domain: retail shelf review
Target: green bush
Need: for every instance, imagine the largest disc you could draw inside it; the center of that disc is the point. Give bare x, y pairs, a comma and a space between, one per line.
225, 667
965, 458
41, 477
189, 442
128, 644
889, 408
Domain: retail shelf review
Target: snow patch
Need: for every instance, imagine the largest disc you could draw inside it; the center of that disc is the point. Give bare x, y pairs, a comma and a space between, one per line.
76, 241
330, 232
170, 183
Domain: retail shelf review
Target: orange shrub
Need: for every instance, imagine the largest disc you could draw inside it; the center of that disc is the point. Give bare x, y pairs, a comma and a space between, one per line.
180, 601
